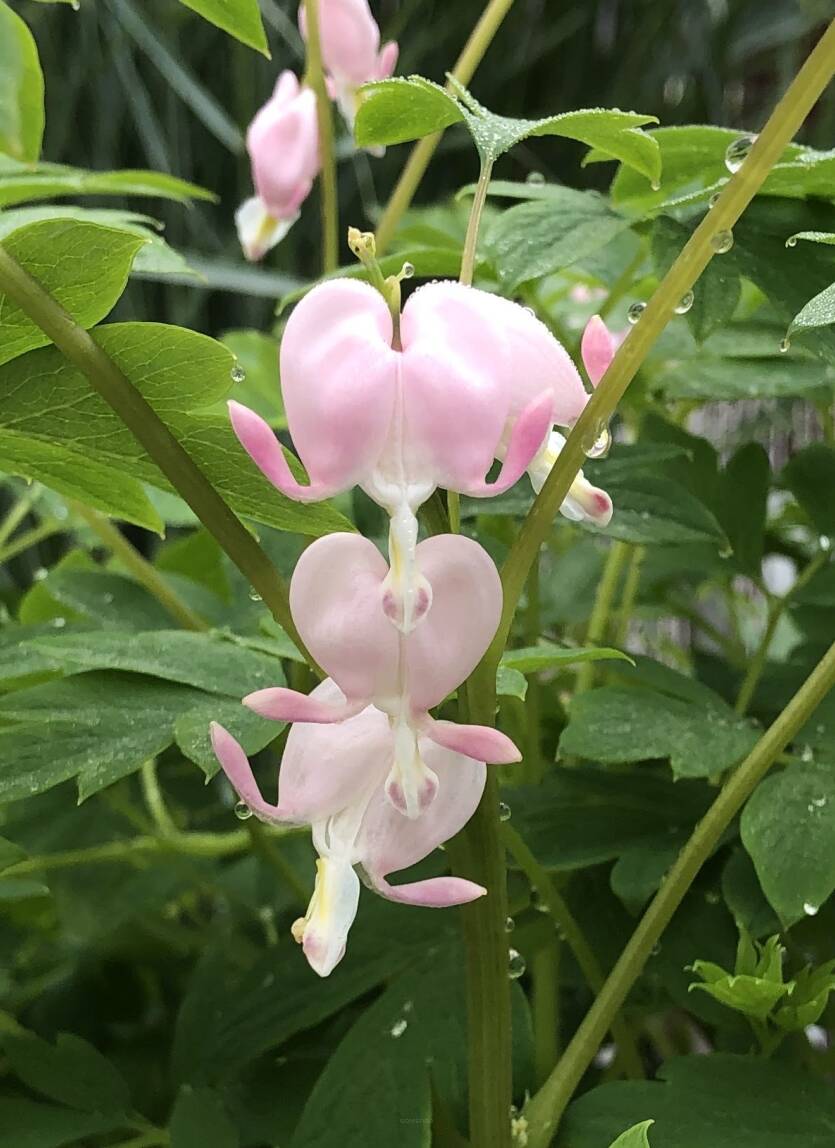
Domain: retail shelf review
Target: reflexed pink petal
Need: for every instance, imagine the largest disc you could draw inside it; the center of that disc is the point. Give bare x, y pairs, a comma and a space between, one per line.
235, 765
283, 145
339, 381
258, 440
280, 704
587, 502
529, 432
477, 741
386, 61
597, 348
433, 893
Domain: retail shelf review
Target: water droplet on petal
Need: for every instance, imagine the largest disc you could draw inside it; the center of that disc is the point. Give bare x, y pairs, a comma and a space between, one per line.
242, 811
784, 345
515, 964
399, 1027
635, 312
810, 910
737, 151
685, 303
504, 811
407, 271
791, 241
509, 925
536, 178
237, 374
722, 242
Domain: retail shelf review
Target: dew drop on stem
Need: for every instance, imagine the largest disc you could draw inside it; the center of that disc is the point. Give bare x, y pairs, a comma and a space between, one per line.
635, 312
737, 151
515, 964
722, 242
685, 303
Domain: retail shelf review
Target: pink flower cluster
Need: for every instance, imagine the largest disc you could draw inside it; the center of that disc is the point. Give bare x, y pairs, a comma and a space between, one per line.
283, 138
400, 404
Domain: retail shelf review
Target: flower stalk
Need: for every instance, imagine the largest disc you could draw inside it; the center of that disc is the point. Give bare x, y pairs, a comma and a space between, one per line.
324, 115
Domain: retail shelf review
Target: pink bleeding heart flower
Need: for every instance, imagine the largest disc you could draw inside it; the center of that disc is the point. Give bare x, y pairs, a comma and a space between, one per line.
283, 146
467, 377
351, 53
332, 778
338, 597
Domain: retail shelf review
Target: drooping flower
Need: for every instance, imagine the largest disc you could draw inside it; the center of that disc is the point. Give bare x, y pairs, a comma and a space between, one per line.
332, 777
339, 595
283, 146
351, 53
400, 409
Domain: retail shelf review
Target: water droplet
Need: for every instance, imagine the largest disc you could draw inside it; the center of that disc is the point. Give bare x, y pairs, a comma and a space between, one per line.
399, 1027
530, 311
515, 964
791, 241
714, 199
737, 151
59, 623
536, 178
237, 374
810, 910
816, 803
509, 925
40, 574
600, 446
242, 811
656, 950
407, 271
685, 303
712, 898
538, 902
504, 811
722, 242
254, 596
825, 542
75, 5
808, 754
635, 312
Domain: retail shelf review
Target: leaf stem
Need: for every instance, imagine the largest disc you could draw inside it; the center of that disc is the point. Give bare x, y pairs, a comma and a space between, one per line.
324, 115
545, 1110
480, 40
603, 601
110, 382
631, 586
476, 211
146, 574
29, 538
18, 512
154, 800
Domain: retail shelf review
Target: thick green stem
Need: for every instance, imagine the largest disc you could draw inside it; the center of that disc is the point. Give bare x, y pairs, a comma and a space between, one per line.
602, 610
708, 238
108, 380
555, 904
324, 115
545, 1110
142, 570
465, 66
476, 211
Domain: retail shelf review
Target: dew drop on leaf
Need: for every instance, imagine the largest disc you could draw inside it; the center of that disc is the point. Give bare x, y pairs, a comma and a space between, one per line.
242, 811
535, 178
237, 374
504, 811
784, 345
407, 271
399, 1027
509, 925
791, 241
810, 910
254, 596
515, 964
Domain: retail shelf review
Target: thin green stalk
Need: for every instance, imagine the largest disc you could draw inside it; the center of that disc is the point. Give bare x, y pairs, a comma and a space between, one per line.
602, 610
108, 380
154, 800
545, 1110
463, 71
453, 505
18, 512
140, 567
545, 1007
324, 115
703, 244
30, 538
631, 586
570, 931
268, 850
775, 613
476, 211
533, 698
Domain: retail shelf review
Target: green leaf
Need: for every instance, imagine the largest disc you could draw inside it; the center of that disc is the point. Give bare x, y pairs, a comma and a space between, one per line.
191, 730
810, 476
812, 237
199, 1118
717, 1101
742, 505
717, 291
22, 183
634, 1137
818, 312
744, 897
21, 89
730, 380
402, 109
71, 1071
788, 828
10, 854
510, 683
84, 266
257, 356
615, 725
538, 238
751, 996
808, 999
655, 510
547, 656
241, 19
155, 257
49, 407
26, 1124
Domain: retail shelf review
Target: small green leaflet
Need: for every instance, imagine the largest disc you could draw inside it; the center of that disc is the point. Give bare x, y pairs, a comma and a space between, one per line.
401, 109
21, 89
241, 19
23, 183
635, 1137
818, 312
547, 656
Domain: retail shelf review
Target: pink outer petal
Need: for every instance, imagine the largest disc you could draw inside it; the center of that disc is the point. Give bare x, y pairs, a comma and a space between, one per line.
597, 348
338, 379
258, 440
388, 842
527, 436
336, 602
350, 38
386, 61
478, 741
434, 893
466, 607
236, 766
327, 768
280, 704
283, 145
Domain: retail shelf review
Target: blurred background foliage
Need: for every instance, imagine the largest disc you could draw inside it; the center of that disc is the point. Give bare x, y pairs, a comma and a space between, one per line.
143, 83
